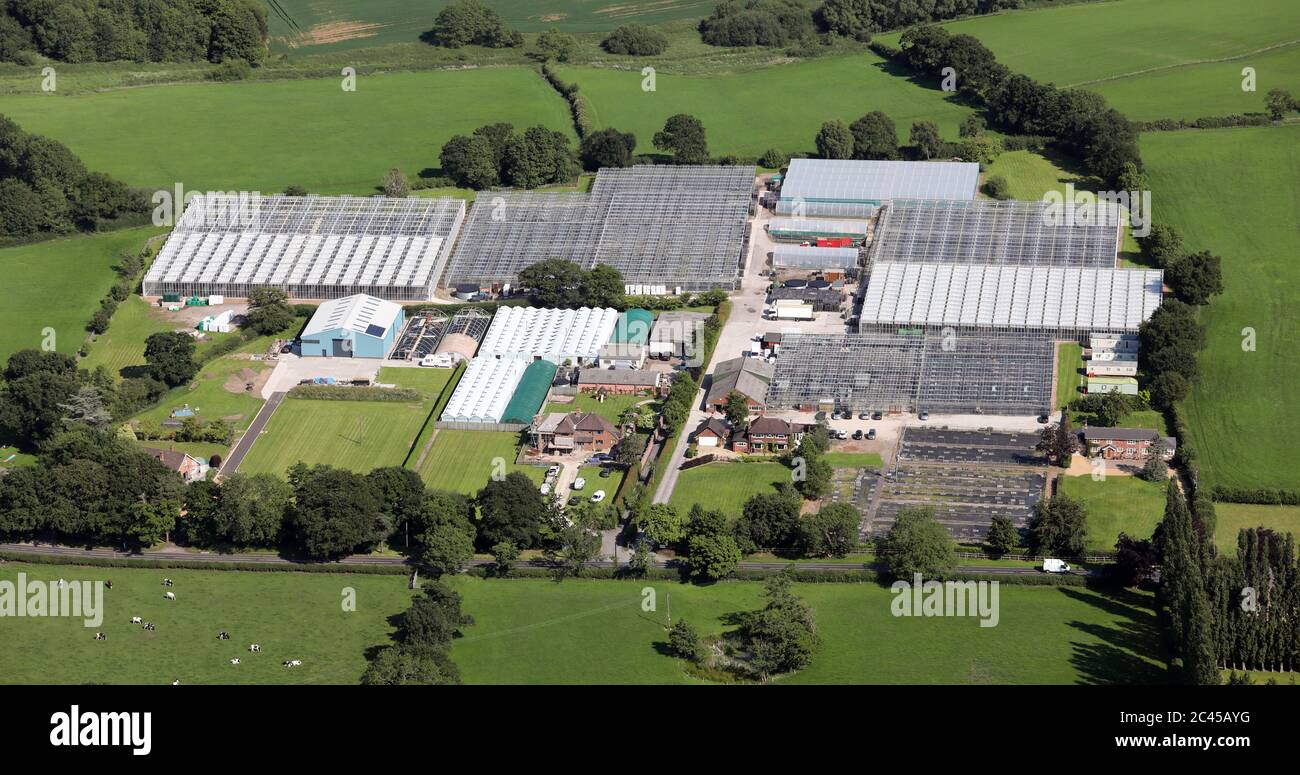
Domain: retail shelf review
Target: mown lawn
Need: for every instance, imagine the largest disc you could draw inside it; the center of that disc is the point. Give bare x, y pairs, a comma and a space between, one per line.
612, 408
1235, 193
463, 461
1118, 504
266, 135
292, 616
748, 112
1069, 372
357, 435
725, 486
581, 631
57, 285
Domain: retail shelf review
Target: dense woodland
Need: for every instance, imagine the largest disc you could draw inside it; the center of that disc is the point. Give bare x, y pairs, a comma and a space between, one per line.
133, 30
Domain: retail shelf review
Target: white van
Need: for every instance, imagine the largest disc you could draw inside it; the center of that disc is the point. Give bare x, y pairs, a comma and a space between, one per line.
1055, 566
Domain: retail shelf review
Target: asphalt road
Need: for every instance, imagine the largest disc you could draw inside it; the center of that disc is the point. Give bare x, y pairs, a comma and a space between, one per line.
271, 559
231, 463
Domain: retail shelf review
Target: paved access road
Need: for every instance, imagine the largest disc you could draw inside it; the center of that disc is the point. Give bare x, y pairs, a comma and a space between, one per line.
231, 464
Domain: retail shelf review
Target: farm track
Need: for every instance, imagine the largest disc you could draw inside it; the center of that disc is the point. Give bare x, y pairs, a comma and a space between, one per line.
1180, 65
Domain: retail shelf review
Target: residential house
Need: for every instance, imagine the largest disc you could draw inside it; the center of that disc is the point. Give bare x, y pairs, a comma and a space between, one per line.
191, 469
768, 435
712, 433
583, 432
1125, 443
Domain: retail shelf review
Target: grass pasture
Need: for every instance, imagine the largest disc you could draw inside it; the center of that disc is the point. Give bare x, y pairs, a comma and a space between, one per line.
462, 461
1235, 192
1082, 43
587, 632
296, 616
58, 284
1232, 518
725, 486
357, 435
265, 135
1119, 504
776, 107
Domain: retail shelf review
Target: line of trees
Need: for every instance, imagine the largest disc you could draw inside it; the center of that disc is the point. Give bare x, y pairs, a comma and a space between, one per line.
45, 188
558, 282
788, 22
1079, 121
133, 30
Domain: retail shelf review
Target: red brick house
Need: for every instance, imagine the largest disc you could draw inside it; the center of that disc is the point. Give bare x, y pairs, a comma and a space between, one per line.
1125, 443
585, 432
768, 435
713, 433
189, 467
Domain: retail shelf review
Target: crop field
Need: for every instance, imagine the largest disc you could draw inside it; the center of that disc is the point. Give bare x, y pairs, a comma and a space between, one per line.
1119, 504
295, 616
1087, 42
462, 461
725, 486
581, 631
776, 107
264, 136
311, 25
357, 435
1234, 192
1232, 518
58, 285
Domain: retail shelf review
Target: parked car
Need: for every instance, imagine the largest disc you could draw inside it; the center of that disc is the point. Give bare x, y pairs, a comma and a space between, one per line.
605, 473
871, 435
575, 500
600, 457
857, 435
924, 416
841, 435
876, 415
546, 488
553, 470
865, 416
598, 496
1042, 419
579, 483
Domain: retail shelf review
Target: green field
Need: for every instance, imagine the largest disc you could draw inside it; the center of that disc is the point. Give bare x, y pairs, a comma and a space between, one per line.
536, 631
357, 435
292, 616
1232, 518
1235, 192
58, 285
267, 135
1069, 372
346, 24
430, 382
725, 486
462, 461
853, 459
778, 107
208, 397
1119, 504
1085, 42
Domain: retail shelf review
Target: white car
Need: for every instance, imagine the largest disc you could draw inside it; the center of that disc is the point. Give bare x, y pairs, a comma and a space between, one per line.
598, 496
579, 483
546, 488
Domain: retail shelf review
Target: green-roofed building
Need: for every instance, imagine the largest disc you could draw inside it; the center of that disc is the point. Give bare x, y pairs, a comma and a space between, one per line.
633, 327
531, 392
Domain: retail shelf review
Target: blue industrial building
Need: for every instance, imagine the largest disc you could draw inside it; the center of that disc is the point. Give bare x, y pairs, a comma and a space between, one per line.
357, 326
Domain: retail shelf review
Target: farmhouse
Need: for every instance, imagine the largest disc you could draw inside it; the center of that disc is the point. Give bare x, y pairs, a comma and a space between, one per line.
584, 432
312, 247
619, 381
358, 326
748, 376
1125, 443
